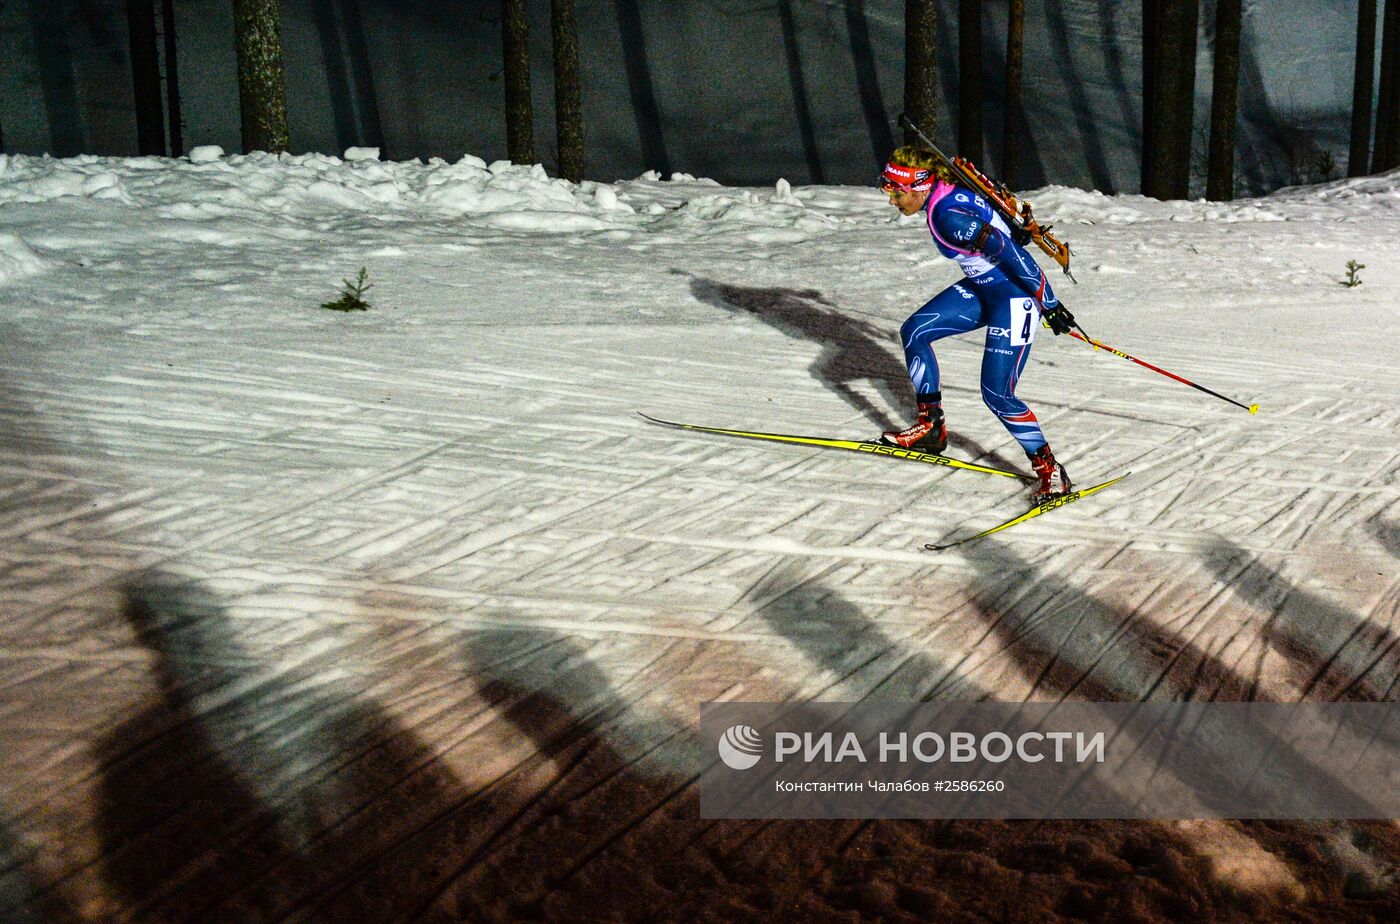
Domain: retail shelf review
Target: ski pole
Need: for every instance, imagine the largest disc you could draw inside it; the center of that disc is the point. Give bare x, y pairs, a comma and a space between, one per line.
1252, 408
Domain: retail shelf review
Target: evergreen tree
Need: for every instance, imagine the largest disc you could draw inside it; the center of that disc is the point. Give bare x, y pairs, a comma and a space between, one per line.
568, 91
1011, 113
1386, 154
921, 67
1169, 86
262, 92
145, 76
970, 79
515, 48
1224, 100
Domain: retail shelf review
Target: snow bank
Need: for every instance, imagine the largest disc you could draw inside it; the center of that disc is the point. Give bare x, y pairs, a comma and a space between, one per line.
260, 188
1341, 200
18, 259
210, 185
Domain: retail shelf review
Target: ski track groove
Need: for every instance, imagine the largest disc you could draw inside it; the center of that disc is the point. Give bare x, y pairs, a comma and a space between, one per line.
244, 527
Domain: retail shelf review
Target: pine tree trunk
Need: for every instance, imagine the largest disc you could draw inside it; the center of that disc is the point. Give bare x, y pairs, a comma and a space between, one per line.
970, 79
1011, 112
515, 47
362, 77
568, 91
1363, 86
262, 93
1386, 155
1149, 91
810, 149
1224, 99
172, 81
921, 68
1169, 81
872, 100
145, 77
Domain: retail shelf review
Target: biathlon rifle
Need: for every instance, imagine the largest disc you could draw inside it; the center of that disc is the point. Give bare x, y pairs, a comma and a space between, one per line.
1017, 212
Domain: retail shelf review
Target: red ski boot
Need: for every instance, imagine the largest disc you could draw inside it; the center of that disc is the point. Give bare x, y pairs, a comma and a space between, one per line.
927, 434
1054, 480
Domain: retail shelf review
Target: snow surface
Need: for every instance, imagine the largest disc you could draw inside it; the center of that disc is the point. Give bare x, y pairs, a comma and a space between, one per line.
306, 609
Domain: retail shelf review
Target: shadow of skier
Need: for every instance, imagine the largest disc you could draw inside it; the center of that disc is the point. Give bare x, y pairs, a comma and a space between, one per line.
851, 350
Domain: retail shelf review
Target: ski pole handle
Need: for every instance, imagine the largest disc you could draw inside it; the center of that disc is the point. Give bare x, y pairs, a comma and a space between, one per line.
1079, 335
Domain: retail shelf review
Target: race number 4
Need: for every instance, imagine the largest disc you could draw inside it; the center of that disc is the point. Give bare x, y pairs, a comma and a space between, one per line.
1023, 318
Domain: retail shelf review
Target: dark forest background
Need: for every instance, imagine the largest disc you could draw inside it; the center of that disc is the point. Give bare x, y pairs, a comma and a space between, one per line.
738, 90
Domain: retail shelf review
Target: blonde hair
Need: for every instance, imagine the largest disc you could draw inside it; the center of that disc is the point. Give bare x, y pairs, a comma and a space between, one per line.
911, 155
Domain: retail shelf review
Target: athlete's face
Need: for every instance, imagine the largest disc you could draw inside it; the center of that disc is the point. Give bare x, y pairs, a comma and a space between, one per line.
907, 200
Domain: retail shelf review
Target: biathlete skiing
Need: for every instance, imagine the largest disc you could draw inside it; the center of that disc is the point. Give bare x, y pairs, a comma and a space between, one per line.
1005, 291
983, 226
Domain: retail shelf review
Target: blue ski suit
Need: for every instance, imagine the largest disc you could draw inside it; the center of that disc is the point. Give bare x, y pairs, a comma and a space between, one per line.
1004, 291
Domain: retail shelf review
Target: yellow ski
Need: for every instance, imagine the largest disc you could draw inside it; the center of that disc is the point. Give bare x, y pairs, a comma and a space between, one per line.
1033, 512
875, 449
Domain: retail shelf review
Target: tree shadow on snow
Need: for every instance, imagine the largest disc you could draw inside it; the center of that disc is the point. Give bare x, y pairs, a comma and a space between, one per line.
1074, 645
1086, 119
802, 109
583, 829
1387, 533
838, 638
251, 791
25, 898
645, 109
1333, 654
872, 104
957, 869
606, 824
353, 101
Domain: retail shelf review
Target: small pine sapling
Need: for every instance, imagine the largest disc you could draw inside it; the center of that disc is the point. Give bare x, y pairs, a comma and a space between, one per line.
1326, 166
1353, 274
352, 299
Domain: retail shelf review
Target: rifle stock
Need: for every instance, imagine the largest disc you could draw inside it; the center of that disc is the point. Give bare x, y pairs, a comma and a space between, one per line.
1015, 210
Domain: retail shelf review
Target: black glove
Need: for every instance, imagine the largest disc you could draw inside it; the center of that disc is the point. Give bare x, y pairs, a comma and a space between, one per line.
1020, 235
1058, 319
